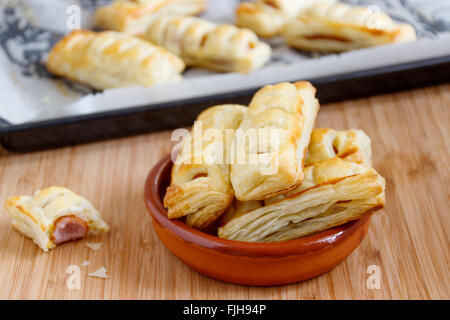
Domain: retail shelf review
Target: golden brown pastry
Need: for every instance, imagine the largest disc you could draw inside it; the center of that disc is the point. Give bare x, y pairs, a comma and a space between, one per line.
205, 44
339, 27
111, 59
134, 16
200, 186
266, 166
334, 192
267, 17
53, 216
350, 145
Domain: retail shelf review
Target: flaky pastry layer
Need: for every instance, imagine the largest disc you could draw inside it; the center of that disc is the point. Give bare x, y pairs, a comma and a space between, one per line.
334, 192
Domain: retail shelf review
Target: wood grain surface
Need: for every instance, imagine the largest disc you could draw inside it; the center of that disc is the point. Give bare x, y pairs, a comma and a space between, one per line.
408, 240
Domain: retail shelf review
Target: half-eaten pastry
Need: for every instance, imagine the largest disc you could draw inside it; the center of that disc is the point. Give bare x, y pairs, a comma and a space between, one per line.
112, 59
267, 17
205, 44
272, 140
53, 216
200, 182
333, 192
134, 16
336, 27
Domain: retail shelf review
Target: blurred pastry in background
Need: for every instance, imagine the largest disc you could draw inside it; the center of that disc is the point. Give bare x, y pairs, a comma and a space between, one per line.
202, 43
134, 16
53, 216
336, 27
268, 17
112, 59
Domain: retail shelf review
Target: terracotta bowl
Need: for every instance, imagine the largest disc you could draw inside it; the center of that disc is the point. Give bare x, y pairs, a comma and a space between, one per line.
257, 264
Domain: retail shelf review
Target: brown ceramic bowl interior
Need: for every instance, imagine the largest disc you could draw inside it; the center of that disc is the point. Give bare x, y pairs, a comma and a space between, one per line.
245, 262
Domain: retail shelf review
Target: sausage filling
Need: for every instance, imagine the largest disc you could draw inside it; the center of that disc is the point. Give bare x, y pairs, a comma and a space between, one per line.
69, 228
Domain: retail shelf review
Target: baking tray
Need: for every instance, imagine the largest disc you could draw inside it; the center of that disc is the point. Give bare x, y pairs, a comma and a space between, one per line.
137, 120
139, 110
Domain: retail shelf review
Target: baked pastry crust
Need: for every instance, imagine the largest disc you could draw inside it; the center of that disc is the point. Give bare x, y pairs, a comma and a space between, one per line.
334, 192
339, 27
205, 44
134, 16
267, 17
111, 59
35, 216
288, 110
350, 145
200, 186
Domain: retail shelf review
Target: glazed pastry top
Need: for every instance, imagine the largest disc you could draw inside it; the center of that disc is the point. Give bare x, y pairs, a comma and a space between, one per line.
111, 59
200, 182
267, 17
340, 27
134, 16
273, 162
203, 43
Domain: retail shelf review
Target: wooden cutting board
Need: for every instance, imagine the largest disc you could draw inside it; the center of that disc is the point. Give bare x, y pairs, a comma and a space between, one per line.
408, 241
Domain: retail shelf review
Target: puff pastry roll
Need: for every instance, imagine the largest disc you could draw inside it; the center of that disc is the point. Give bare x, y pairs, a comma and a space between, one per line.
205, 44
273, 163
200, 186
134, 16
111, 59
350, 145
53, 216
334, 192
339, 27
267, 17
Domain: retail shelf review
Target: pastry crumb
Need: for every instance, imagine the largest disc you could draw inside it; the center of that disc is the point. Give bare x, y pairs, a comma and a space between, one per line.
85, 263
100, 273
94, 246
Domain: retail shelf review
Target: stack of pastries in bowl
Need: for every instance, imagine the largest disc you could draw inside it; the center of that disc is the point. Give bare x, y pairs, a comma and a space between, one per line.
287, 181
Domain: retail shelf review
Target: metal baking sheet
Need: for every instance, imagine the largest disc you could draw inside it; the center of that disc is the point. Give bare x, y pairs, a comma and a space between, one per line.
57, 112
